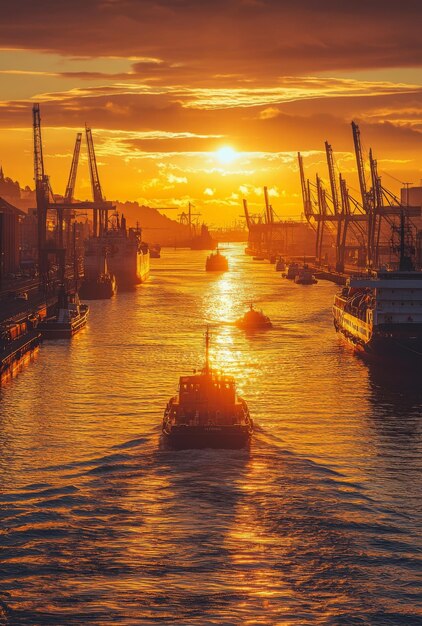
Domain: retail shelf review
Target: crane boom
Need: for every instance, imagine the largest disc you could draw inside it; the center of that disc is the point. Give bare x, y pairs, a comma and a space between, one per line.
42, 189
307, 205
70, 189
38, 155
360, 166
268, 209
330, 163
247, 216
93, 169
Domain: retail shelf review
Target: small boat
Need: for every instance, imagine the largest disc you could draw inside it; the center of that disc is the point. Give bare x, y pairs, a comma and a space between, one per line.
305, 276
280, 266
253, 319
216, 262
155, 251
70, 318
207, 412
292, 271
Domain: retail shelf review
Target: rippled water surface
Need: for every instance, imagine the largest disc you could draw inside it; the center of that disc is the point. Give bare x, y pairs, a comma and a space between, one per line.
316, 524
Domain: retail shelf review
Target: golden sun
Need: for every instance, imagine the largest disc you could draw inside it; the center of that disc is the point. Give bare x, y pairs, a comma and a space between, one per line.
226, 155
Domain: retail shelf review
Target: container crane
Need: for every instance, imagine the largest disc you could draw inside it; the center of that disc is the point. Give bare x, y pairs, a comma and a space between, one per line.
70, 188
100, 216
43, 193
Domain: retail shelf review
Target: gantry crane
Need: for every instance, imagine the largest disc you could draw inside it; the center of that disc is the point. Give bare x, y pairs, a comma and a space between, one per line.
100, 216
379, 204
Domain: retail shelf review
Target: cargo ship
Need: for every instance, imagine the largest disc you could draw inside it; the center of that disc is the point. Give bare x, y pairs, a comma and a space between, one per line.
18, 343
207, 412
128, 257
203, 241
98, 282
381, 314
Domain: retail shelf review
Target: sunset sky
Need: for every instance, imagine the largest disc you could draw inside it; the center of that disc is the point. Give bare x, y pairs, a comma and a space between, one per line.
166, 84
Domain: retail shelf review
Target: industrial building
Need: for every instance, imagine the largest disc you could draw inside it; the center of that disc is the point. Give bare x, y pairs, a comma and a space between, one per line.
10, 238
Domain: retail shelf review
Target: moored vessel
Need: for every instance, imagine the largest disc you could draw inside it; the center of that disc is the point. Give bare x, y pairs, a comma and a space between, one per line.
207, 412
305, 276
18, 343
70, 318
128, 257
292, 271
280, 265
381, 314
155, 251
102, 287
98, 282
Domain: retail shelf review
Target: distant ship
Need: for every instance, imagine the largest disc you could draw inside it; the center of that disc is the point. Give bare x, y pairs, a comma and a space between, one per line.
381, 314
203, 241
128, 256
207, 412
216, 262
254, 320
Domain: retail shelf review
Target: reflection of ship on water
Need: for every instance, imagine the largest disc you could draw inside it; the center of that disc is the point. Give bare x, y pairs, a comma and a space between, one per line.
396, 392
128, 257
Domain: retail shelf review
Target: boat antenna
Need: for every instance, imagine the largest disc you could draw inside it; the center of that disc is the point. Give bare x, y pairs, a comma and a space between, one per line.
207, 350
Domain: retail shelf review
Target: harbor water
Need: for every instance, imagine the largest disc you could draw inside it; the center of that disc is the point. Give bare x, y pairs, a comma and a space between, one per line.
317, 523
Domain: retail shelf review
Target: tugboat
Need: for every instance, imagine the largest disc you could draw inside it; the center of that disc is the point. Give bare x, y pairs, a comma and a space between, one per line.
253, 319
305, 276
216, 262
207, 412
381, 314
292, 271
71, 317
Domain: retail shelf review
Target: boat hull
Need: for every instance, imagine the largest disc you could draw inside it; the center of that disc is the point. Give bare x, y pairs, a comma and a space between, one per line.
51, 329
92, 289
184, 437
388, 344
130, 267
20, 352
